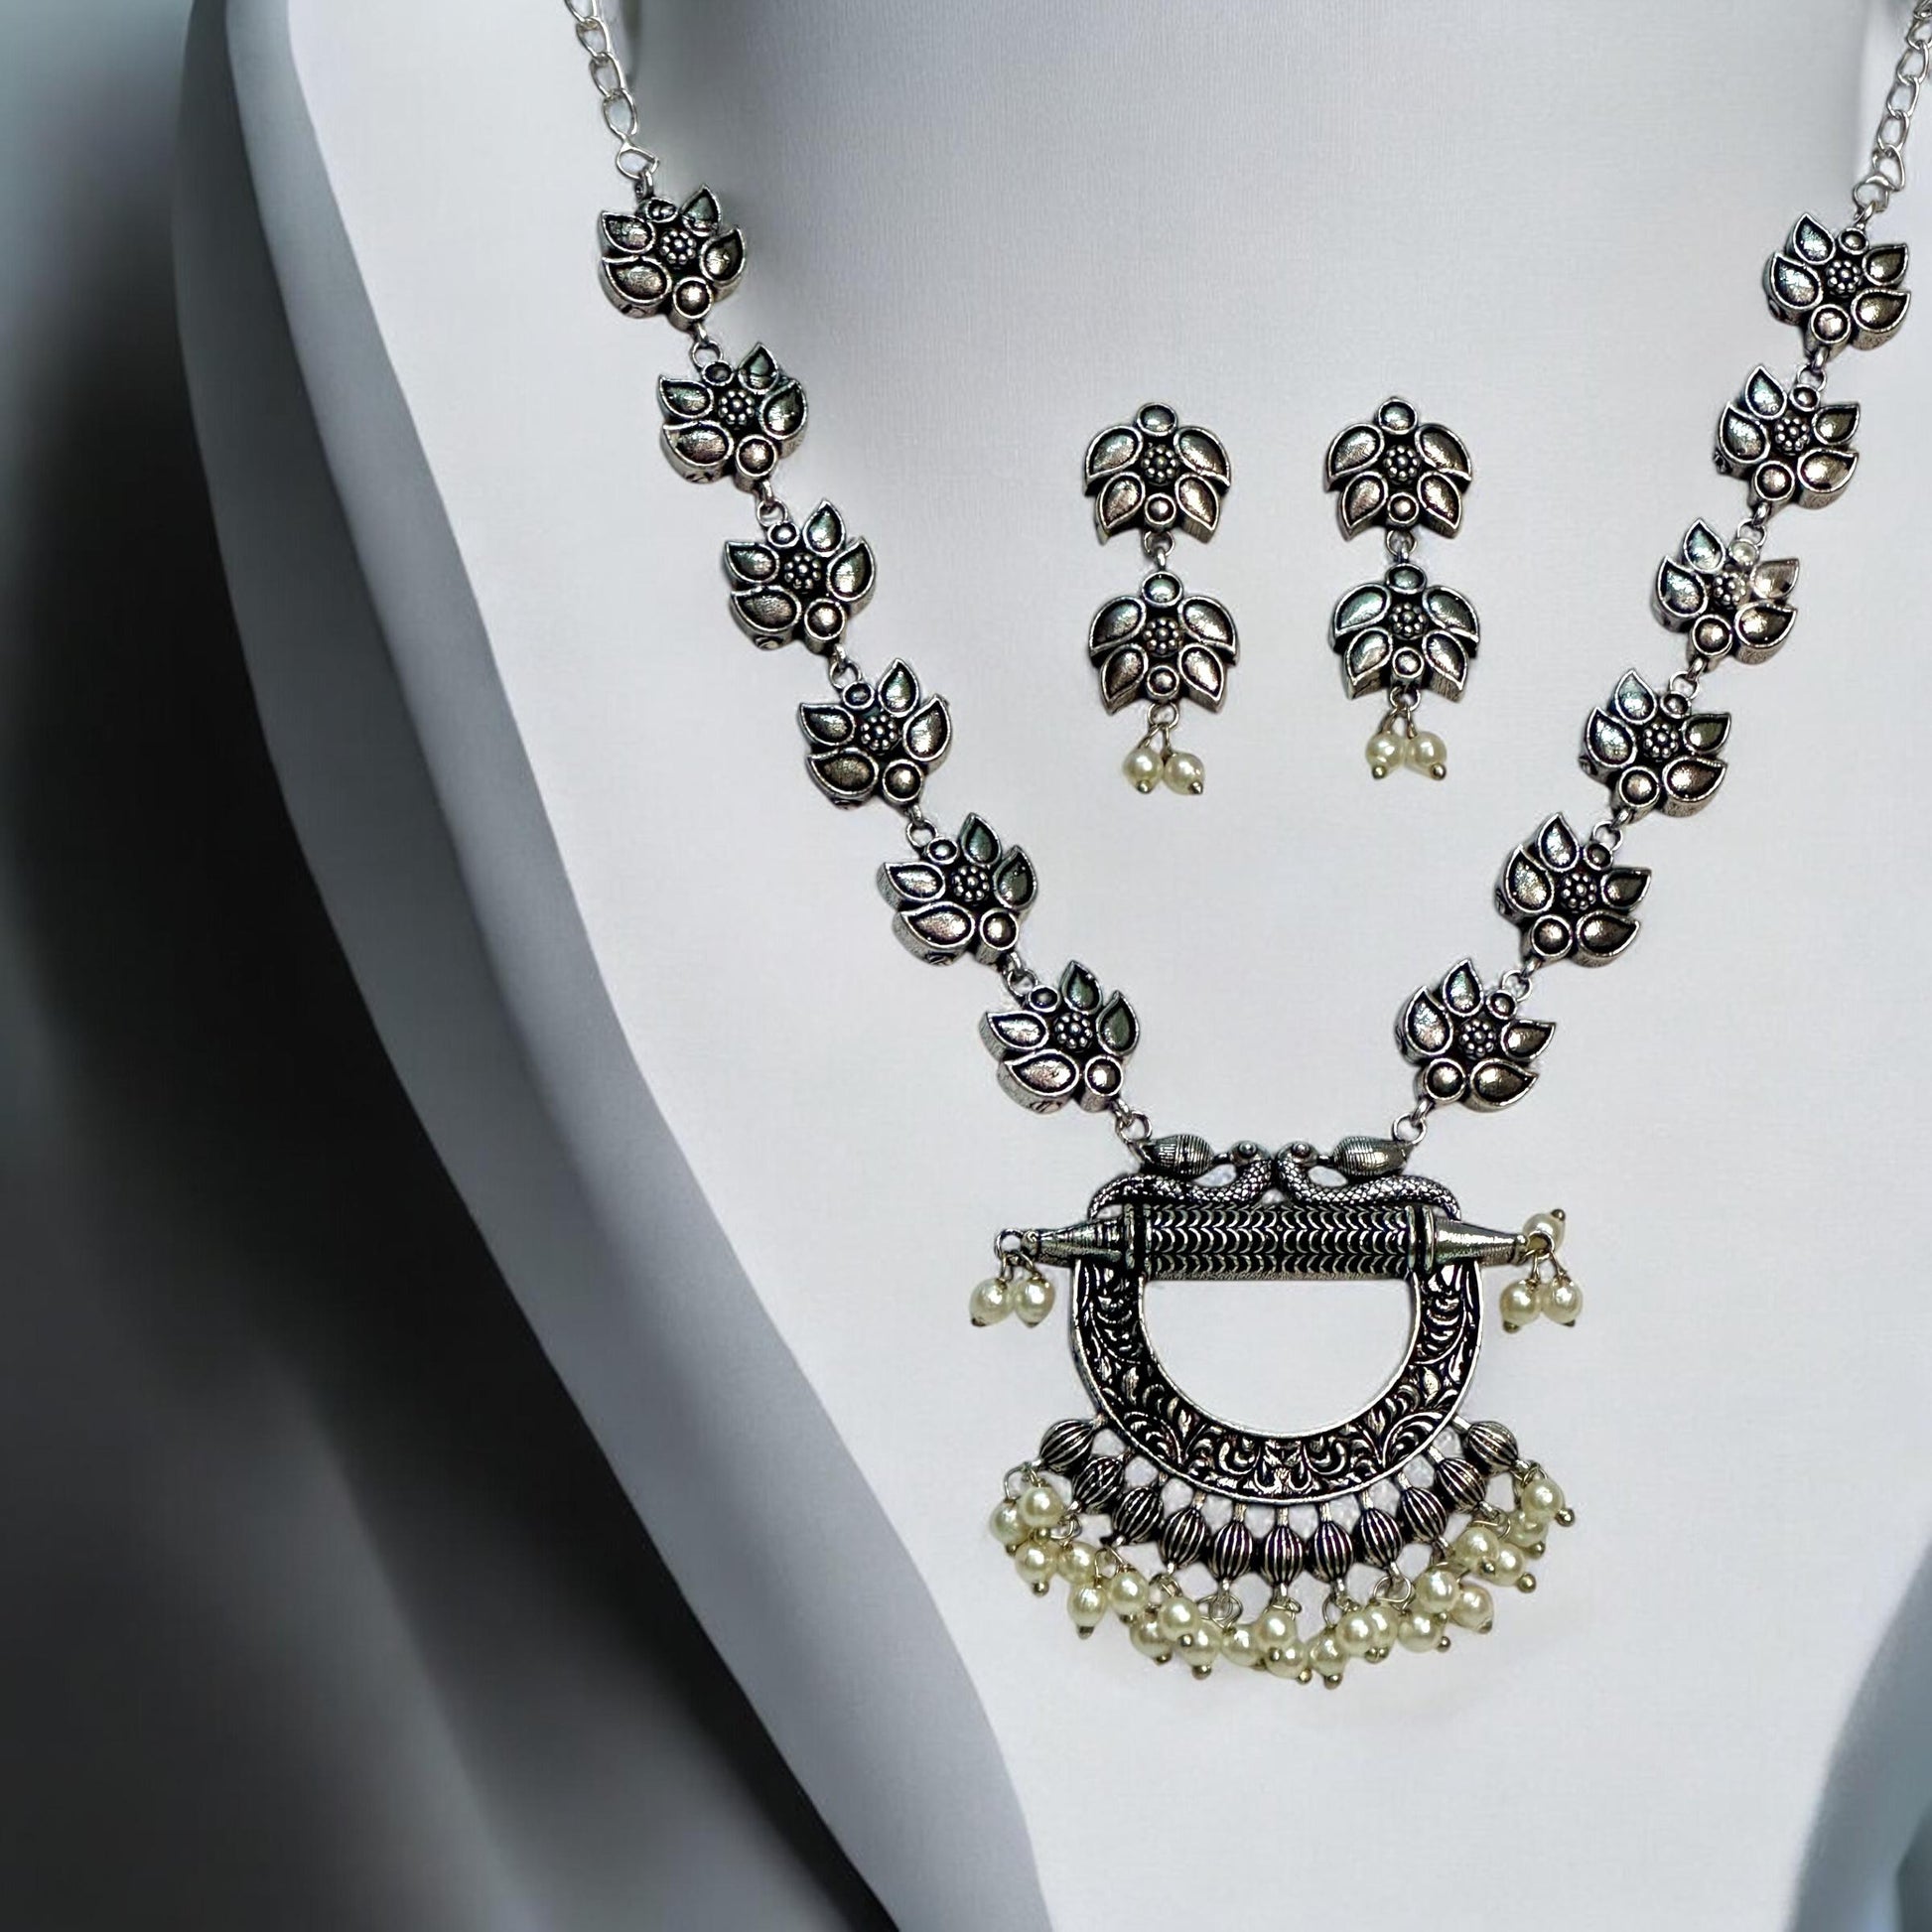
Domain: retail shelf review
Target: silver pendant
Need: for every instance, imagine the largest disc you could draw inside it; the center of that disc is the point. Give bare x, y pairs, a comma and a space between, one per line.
1153, 1469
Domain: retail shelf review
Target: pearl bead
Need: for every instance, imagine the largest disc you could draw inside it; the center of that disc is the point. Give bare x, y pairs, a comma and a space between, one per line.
1475, 1609
1437, 1590
1078, 1563
1289, 1659
1427, 753
1526, 1529
1355, 1634
1560, 1299
1087, 1607
1519, 1305
1033, 1299
1384, 753
1036, 1563
1186, 773
1539, 1498
1383, 1624
1477, 1547
1005, 1525
992, 1301
1419, 1631
1200, 1644
1178, 1617
1127, 1595
1510, 1569
1239, 1647
1549, 1226
1040, 1507
1147, 1636
1142, 767
1329, 1657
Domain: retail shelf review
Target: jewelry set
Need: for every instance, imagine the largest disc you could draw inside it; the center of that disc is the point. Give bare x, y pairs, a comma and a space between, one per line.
1191, 1531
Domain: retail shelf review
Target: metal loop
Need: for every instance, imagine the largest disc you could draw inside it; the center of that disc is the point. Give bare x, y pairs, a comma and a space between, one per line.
920, 831
1131, 1128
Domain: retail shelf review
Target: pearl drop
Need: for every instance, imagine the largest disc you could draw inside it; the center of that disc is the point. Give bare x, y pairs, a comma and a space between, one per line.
1383, 1624
1427, 753
1475, 1609
1384, 753
1078, 1563
1549, 1226
1005, 1525
1437, 1588
1142, 767
992, 1301
1033, 1299
1419, 1631
1286, 1659
1147, 1636
1186, 773
1355, 1634
1539, 1498
1526, 1529
1327, 1656
1127, 1593
1178, 1617
1087, 1607
1036, 1563
1275, 1627
1510, 1567
1239, 1647
1200, 1644
1478, 1546
1562, 1300
1040, 1507
1519, 1305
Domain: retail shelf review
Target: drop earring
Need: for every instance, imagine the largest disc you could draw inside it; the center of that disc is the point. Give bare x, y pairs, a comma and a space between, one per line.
1405, 636
1164, 645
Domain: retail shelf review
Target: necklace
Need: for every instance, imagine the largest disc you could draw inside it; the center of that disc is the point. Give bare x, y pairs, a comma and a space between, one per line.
1148, 1467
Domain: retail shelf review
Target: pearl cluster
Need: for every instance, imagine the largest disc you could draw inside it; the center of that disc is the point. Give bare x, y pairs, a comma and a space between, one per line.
1147, 766
1040, 1531
1392, 746
1548, 1289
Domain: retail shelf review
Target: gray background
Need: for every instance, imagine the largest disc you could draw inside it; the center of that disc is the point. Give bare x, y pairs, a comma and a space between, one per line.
309, 1619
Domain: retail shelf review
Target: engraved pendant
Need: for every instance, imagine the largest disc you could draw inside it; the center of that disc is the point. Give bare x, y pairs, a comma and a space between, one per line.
1225, 1521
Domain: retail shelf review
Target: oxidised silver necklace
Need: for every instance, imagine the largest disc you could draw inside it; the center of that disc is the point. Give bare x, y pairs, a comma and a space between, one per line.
1148, 1467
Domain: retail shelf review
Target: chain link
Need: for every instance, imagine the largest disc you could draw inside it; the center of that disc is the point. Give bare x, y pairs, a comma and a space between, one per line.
617, 105
1885, 170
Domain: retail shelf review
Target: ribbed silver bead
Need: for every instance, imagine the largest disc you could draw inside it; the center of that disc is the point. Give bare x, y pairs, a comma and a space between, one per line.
1463, 1483
1182, 1537
1330, 1552
1283, 1554
1137, 1513
1066, 1446
1233, 1550
1491, 1447
1422, 1514
1378, 1538
1096, 1486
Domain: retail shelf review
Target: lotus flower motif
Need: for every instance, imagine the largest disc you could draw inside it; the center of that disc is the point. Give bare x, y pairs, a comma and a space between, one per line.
1728, 606
877, 740
1842, 290
961, 896
799, 582
1063, 1043
1157, 473
1789, 447
1653, 751
1569, 896
666, 259
731, 421
1468, 1043
1396, 471
1404, 633
1161, 646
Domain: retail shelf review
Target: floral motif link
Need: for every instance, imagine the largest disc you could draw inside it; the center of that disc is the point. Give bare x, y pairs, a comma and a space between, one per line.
1728, 607
1569, 897
1404, 634
1396, 471
1842, 290
1161, 646
1157, 473
1653, 751
798, 582
1063, 1043
1468, 1043
877, 740
1789, 447
961, 896
669, 260
731, 421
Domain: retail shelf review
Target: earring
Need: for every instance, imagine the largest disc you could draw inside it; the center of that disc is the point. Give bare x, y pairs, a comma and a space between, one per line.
1404, 635
1165, 643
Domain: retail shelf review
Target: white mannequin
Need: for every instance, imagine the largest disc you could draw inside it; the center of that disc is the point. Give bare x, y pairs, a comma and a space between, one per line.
978, 235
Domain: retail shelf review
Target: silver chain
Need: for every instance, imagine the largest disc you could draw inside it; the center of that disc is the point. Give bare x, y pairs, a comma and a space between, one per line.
635, 163
1885, 172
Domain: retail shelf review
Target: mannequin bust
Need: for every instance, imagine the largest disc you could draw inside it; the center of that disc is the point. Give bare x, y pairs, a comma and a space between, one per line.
741, 1157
